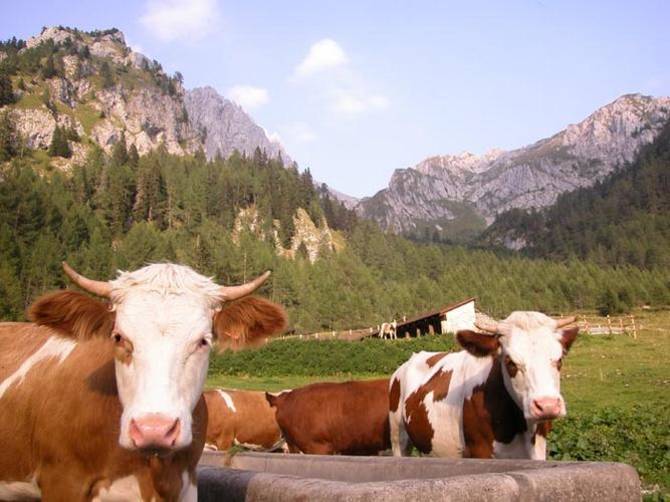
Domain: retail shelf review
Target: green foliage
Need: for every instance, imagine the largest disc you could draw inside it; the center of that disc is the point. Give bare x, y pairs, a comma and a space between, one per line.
326, 357
622, 220
59, 146
639, 436
8, 136
6, 90
106, 75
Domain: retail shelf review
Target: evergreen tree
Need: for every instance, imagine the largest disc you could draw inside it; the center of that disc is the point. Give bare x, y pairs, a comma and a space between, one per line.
59, 146
6, 90
8, 137
120, 151
106, 75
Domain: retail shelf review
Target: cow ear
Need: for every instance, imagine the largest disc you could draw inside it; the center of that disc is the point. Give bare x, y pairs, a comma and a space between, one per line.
478, 344
72, 314
568, 337
247, 322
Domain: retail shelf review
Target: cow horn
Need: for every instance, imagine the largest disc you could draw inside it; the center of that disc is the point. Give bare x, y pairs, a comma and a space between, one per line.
488, 326
561, 323
229, 293
100, 288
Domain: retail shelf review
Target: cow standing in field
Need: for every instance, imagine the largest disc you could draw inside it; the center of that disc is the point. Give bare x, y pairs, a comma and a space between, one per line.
495, 399
388, 330
348, 418
238, 417
103, 401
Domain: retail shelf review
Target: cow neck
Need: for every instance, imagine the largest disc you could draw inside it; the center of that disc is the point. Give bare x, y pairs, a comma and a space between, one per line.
507, 418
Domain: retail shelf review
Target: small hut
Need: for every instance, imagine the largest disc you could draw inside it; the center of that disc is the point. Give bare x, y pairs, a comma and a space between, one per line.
448, 319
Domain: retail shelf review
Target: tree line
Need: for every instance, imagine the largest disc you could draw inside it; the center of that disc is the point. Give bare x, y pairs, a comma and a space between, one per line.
121, 211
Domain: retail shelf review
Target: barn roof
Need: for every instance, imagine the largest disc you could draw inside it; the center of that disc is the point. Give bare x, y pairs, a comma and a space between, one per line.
436, 312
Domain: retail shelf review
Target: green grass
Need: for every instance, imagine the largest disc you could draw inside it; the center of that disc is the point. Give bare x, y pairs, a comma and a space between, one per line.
30, 100
87, 116
616, 388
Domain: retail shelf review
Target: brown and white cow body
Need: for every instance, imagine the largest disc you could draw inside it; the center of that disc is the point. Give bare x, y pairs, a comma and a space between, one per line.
102, 401
348, 418
241, 418
495, 399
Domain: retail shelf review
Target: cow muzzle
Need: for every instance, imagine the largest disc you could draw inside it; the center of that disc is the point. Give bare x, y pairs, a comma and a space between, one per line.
546, 408
154, 431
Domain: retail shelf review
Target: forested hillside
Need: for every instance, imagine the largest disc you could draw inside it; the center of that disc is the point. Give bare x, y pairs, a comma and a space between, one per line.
625, 219
119, 211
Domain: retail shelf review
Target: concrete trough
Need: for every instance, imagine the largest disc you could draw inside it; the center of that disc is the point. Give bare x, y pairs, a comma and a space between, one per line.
282, 477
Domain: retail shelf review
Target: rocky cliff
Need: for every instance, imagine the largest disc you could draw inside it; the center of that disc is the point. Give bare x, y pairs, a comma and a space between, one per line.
435, 191
226, 127
92, 83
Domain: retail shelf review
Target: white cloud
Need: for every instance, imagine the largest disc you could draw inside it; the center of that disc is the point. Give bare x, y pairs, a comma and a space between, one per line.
274, 137
300, 132
322, 55
351, 103
249, 97
186, 20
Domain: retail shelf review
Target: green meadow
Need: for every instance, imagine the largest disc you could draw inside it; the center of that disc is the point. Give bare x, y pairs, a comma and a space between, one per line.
616, 387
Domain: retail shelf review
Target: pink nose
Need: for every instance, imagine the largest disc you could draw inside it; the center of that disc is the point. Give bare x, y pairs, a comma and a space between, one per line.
546, 408
154, 430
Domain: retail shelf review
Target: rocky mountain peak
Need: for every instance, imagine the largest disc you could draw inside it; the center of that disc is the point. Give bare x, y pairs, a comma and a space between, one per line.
226, 127
531, 176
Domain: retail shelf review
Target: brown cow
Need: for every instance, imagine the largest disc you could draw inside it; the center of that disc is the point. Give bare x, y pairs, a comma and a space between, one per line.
348, 418
238, 417
494, 399
103, 401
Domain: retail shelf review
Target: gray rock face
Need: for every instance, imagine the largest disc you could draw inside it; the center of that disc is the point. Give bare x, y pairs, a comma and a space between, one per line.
226, 127
532, 176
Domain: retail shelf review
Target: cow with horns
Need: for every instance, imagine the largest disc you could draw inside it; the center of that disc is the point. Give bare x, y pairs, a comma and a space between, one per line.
103, 400
494, 399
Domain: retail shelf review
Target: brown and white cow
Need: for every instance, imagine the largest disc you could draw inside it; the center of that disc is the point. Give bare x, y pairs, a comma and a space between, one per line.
241, 417
495, 399
103, 401
348, 418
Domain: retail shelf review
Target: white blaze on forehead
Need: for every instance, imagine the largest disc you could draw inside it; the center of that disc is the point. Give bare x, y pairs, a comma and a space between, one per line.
55, 346
228, 400
164, 310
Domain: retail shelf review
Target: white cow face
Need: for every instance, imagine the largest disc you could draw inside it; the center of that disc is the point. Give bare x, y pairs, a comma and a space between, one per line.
162, 345
162, 335
532, 351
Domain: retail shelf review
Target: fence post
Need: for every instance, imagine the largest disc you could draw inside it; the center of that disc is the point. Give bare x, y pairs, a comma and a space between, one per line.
609, 323
632, 318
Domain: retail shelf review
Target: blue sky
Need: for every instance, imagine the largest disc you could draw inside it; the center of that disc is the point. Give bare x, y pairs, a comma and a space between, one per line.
356, 89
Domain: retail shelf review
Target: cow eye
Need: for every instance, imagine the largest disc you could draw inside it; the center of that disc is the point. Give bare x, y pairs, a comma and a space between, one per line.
117, 337
203, 342
512, 368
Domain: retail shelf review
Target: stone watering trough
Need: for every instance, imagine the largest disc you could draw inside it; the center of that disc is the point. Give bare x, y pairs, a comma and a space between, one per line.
279, 477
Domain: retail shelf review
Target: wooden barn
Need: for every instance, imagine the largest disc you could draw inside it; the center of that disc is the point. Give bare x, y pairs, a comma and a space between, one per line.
448, 319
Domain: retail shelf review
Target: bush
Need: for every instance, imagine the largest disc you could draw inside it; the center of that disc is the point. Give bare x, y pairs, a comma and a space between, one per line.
328, 357
639, 436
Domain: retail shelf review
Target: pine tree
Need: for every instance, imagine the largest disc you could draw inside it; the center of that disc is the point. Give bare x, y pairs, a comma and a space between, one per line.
59, 146
6, 90
133, 156
106, 75
120, 151
8, 137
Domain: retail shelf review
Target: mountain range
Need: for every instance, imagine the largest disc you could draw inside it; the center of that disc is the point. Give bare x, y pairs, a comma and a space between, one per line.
441, 190
100, 89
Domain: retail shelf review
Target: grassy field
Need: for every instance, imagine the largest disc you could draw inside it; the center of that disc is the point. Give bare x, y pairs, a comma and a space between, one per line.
616, 388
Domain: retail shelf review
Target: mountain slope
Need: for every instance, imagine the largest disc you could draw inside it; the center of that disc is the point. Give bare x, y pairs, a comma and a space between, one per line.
624, 219
528, 177
226, 127
94, 85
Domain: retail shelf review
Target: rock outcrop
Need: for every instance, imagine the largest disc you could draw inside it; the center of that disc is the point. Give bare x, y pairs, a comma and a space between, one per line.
226, 127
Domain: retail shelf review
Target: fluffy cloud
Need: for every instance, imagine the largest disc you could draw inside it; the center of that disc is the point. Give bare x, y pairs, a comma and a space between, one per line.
300, 132
322, 55
349, 103
249, 97
186, 20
